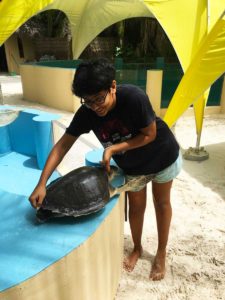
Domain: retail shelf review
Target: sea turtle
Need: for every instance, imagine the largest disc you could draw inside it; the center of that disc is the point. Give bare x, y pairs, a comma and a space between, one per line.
80, 192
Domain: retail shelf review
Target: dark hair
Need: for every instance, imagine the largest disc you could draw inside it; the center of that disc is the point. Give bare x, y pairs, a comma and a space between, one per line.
92, 77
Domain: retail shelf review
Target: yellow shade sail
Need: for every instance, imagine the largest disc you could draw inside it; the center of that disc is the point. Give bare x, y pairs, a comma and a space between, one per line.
199, 109
106, 13
185, 22
214, 10
207, 66
89, 17
14, 13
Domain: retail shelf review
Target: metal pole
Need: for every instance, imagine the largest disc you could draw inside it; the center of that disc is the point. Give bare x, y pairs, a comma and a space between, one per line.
1, 95
198, 153
198, 141
208, 22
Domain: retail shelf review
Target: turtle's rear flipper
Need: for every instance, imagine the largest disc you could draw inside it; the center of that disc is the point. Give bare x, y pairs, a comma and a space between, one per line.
123, 188
132, 184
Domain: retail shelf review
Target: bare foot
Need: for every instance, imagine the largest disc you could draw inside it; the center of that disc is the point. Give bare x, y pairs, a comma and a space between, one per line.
158, 268
131, 260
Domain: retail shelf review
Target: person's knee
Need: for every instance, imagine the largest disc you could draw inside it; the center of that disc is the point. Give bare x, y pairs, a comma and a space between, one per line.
161, 195
162, 204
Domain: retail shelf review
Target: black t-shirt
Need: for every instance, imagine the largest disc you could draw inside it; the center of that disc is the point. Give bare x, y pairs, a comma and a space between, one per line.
132, 112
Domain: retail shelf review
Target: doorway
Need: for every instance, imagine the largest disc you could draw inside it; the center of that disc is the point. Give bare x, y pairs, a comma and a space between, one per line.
3, 61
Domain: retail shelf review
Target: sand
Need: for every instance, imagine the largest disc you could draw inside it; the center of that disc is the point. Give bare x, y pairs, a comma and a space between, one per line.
196, 248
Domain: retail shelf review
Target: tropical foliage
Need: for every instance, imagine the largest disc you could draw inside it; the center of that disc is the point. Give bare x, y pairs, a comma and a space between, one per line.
140, 39
51, 23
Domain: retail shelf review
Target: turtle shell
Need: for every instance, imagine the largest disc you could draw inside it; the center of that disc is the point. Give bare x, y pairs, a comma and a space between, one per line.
80, 192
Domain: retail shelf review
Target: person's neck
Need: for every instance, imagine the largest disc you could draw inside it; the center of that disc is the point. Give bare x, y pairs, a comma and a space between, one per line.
113, 101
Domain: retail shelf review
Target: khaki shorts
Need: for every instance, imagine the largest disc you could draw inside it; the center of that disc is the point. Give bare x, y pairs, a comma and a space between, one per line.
163, 176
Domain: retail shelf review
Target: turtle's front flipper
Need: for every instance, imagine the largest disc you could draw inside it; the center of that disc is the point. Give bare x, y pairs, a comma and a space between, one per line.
43, 215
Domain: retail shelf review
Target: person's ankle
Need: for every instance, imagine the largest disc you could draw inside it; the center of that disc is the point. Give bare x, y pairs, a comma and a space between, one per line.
161, 252
137, 247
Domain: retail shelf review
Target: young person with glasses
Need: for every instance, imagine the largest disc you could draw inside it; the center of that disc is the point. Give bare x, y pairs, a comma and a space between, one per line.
123, 120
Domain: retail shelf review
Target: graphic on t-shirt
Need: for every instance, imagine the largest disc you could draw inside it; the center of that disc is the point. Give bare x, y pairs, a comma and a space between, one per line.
112, 132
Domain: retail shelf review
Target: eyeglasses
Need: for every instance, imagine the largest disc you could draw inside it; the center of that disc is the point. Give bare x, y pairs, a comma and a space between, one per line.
98, 101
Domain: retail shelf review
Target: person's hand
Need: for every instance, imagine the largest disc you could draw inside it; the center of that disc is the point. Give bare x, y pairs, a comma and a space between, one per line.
37, 196
106, 157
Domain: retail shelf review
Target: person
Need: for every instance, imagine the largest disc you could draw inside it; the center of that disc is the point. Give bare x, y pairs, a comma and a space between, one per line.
140, 143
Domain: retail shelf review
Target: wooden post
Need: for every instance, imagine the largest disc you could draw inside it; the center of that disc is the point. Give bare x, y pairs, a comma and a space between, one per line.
154, 89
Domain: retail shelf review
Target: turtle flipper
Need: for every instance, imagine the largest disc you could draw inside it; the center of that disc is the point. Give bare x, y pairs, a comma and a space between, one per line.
133, 183
123, 188
43, 215
112, 191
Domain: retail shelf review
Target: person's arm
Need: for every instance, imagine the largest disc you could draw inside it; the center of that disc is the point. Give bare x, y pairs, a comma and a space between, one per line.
146, 135
55, 157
